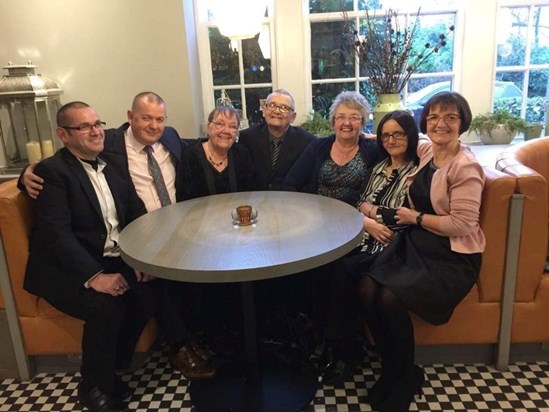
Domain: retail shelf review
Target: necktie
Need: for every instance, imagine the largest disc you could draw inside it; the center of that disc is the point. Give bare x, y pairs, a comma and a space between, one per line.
158, 180
275, 150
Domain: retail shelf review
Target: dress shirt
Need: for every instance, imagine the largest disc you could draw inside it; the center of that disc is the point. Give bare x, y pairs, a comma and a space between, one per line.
139, 170
108, 207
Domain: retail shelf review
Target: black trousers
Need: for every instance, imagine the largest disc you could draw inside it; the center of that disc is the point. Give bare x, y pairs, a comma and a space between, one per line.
112, 325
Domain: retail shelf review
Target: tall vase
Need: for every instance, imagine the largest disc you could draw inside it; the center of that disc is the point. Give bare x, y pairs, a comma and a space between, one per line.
386, 103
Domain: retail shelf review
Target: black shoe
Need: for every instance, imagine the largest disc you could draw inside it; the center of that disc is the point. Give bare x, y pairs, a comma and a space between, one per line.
338, 371
403, 391
97, 401
321, 357
122, 390
378, 393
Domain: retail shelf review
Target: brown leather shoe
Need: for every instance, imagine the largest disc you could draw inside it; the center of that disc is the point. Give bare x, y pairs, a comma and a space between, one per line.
192, 366
200, 350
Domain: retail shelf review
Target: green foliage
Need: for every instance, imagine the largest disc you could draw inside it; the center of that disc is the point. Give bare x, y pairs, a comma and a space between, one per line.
489, 121
535, 108
317, 125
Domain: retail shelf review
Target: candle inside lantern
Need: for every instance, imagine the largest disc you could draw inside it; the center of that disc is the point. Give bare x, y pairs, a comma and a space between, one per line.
34, 153
47, 148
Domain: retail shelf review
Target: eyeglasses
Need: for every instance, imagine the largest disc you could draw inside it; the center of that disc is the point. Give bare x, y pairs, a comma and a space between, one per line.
394, 135
283, 108
343, 119
220, 126
448, 119
86, 127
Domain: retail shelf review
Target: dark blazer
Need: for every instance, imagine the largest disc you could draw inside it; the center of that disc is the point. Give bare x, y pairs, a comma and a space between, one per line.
256, 139
66, 246
303, 176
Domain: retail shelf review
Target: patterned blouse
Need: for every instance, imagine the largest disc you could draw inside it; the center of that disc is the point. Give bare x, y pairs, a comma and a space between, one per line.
342, 182
387, 193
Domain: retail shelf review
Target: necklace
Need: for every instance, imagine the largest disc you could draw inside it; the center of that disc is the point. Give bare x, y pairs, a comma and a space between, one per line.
211, 160
214, 163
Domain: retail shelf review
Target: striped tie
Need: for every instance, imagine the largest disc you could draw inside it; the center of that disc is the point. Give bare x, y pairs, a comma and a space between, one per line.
275, 150
158, 180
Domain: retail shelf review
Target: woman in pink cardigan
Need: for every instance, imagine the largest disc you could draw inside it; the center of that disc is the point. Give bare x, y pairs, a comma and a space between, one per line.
429, 267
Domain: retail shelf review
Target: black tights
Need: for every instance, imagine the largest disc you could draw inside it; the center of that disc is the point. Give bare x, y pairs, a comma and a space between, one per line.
390, 325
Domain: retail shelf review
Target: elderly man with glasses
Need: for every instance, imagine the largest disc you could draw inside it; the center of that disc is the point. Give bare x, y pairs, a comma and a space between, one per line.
275, 145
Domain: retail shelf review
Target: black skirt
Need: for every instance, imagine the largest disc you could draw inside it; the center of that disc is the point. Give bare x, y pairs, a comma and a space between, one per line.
422, 271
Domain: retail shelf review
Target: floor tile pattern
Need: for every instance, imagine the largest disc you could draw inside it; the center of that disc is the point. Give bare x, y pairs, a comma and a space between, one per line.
524, 388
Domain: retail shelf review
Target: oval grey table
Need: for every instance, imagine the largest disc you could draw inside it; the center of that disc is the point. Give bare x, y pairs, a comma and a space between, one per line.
196, 241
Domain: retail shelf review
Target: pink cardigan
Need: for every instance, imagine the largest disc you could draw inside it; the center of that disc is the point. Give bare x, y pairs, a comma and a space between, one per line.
456, 193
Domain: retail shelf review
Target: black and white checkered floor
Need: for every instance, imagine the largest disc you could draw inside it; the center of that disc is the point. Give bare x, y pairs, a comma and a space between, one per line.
525, 387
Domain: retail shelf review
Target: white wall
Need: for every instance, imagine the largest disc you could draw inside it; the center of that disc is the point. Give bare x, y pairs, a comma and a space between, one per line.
104, 52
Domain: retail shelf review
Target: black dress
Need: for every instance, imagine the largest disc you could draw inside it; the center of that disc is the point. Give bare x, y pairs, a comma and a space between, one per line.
419, 266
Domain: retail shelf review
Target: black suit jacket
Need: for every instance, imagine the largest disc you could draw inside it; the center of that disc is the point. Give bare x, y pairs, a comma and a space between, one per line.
66, 246
256, 139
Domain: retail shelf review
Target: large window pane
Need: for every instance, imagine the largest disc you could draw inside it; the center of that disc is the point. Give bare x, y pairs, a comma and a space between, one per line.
512, 32
330, 53
519, 27
224, 59
508, 92
431, 27
539, 40
257, 69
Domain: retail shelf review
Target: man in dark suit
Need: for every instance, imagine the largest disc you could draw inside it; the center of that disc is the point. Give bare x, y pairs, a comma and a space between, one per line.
275, 145
127, 147
74, 260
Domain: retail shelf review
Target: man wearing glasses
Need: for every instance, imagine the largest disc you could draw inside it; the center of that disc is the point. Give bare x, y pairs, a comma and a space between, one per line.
74, 259
275, 145
151, 152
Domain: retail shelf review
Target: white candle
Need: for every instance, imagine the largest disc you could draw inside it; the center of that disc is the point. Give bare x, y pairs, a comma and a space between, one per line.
47, 148
33, 151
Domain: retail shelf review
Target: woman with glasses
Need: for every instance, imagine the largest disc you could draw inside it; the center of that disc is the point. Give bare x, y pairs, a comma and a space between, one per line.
216, 165
335, 166
431, 265
385, 188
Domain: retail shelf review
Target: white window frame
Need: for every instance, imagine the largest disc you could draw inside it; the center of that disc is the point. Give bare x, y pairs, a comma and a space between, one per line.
203, 24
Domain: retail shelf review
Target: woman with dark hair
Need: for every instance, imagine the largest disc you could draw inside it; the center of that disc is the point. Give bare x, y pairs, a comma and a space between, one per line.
385, 188
431, 265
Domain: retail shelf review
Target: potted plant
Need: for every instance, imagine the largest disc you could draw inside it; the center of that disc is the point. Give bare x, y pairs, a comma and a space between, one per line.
533, 130
317, 125
499, 127
389, 52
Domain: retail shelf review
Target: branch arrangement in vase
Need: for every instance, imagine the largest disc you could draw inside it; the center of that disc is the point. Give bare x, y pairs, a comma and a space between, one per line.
386, 51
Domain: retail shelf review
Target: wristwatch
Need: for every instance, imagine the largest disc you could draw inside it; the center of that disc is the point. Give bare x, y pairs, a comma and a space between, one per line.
419, 219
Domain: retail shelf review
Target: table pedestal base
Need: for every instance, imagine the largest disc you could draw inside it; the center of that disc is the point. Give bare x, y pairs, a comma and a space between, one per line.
281, 387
